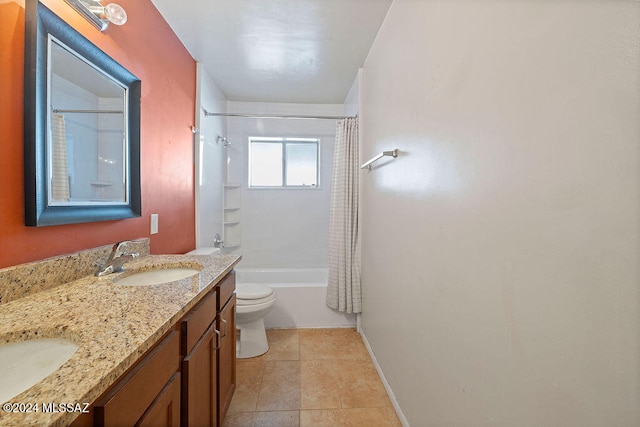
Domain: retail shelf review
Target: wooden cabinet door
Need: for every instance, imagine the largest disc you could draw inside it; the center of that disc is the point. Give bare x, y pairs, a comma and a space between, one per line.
199, 380
165, 410
226, 357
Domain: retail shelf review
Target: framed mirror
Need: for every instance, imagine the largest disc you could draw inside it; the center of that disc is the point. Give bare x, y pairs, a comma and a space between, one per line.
82, 127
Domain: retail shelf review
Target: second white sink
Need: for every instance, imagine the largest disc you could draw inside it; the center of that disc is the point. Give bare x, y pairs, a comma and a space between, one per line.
23, 364
156, 277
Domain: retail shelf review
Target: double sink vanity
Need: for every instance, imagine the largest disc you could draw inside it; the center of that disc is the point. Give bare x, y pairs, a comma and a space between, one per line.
152, 345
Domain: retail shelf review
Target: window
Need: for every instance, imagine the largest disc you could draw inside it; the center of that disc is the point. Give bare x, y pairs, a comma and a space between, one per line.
283, 162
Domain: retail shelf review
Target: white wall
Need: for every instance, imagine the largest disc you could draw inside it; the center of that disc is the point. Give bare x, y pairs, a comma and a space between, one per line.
210, 159
352, 100
501, 249
283, 228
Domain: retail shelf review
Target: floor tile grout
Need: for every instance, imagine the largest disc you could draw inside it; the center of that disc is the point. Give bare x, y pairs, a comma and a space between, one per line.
255, 406
319, 352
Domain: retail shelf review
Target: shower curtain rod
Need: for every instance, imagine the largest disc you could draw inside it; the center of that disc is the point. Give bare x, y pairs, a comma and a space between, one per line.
276, 116
59, 110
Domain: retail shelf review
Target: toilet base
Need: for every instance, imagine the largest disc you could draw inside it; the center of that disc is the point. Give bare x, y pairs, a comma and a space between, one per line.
251, 339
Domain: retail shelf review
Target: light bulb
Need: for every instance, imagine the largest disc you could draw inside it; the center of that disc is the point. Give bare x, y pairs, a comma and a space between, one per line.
115, 14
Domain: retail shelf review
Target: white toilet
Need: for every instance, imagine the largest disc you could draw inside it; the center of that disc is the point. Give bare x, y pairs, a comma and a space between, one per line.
253, 302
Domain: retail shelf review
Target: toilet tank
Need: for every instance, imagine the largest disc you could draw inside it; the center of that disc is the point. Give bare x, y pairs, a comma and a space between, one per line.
204, 251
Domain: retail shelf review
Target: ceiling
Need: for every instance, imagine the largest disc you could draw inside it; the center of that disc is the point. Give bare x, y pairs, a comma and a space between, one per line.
300, 51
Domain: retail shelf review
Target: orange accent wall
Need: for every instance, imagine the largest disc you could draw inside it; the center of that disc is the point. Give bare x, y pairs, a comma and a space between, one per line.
148, 48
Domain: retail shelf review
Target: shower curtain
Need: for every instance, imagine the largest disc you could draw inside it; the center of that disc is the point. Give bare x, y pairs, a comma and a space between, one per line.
343, 292
60, 169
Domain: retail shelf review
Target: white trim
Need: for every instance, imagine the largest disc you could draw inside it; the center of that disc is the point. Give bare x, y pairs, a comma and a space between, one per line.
385, 383
197, 155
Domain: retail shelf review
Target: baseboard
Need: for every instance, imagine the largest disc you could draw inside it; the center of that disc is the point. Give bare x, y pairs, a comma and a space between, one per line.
385, 383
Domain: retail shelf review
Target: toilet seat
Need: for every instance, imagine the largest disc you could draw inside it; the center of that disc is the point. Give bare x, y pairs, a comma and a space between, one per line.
253, 294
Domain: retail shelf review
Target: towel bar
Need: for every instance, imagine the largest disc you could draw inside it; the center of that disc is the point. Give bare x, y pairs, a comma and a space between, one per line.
392, 153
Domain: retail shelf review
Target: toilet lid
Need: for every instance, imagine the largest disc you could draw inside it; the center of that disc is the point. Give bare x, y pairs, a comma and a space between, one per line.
252, 291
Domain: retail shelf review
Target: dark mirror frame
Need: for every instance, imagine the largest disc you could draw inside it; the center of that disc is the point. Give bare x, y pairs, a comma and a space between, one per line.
39, 23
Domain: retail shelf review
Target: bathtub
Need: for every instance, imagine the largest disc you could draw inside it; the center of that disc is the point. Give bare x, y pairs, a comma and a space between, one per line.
300, 297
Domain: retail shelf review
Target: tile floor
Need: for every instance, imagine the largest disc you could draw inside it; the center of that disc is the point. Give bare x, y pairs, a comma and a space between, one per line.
310, 377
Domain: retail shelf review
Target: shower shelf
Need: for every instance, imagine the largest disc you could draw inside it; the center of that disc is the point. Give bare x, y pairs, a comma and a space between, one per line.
101, 183
231, 215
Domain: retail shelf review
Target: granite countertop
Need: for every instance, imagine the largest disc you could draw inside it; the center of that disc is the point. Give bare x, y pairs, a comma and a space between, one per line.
112, 324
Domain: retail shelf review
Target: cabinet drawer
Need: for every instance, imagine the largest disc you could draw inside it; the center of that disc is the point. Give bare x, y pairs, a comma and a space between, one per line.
226, 288
134, 393
194, 324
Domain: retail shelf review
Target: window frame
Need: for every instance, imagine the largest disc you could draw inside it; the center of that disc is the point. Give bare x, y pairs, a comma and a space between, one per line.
283, 142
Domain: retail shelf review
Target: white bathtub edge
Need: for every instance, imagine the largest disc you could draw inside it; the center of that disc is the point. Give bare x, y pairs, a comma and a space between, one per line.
305, 307
300, 297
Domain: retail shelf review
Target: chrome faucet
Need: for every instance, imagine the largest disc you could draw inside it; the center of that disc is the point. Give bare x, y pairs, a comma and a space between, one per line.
218, 242
117, 258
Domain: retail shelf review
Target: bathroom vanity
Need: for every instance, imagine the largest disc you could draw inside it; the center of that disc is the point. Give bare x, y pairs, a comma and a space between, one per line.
152, 355
187, 378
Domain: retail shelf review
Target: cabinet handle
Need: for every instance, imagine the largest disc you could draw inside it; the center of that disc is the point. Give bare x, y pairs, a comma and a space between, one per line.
224, 322
217, 339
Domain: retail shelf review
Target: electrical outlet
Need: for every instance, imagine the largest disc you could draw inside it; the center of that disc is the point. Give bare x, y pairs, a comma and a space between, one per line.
154, 223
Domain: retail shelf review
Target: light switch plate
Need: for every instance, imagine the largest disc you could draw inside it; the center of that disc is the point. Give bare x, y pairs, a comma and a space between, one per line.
154, 223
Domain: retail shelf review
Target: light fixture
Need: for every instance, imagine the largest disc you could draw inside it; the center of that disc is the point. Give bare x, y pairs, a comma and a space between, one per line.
99, 15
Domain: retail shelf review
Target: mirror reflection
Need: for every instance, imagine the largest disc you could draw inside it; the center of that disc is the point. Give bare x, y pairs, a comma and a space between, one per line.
87, 139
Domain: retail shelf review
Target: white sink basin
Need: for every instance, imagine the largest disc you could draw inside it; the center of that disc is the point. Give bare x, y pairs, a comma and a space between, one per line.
156, 277
23, 364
